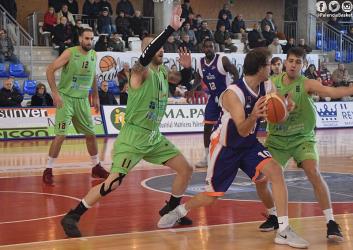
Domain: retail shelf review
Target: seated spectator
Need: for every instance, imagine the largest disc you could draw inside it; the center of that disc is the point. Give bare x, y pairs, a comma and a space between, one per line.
255, 39
105, 96
311, 72
187, 30
198, 23
63, 36
123, 26
76, 31
170, 46
186, 43
126, 7
105, 4
226, 11
268, 34
6, 48
123, 97
325, 75
9, 96
289, 45
124, 75
335, 24
275, 47
177, 38
268, 20
41, 97
138, 24
276, 66
223, 21
340, 76
49, 20
302, 45
105, 24
116, 43
186, 9
66, 13
192, 21
238, 26
102, 44
90, 11
222, 37
203, 32
72, 7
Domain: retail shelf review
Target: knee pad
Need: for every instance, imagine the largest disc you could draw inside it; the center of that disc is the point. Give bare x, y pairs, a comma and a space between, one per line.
102, 190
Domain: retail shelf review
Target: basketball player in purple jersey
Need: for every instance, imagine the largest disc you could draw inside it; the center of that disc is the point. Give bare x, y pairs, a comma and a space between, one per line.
234, 146
213, 70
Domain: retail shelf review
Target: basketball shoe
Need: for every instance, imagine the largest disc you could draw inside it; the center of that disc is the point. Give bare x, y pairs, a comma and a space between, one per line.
290, 238
99, 172
184, 221
334, 231
48, 176
69, 224
270, 224
171, 218
202, 163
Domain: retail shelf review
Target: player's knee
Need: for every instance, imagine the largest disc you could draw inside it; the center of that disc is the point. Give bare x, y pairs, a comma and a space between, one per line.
110, 184
59, 138
314, 175
273, 171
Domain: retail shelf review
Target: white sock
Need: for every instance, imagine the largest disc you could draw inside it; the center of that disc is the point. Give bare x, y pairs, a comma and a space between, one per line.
177, 196
272, 211
50, 162
85, 204
282, 223
95, 159
328, 214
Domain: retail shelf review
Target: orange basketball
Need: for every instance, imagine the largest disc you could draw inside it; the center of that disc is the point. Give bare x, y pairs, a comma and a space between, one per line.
107, 63
276, 108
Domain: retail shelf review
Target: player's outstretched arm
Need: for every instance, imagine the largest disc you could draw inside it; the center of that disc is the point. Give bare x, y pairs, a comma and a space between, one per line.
314, 86
231, 68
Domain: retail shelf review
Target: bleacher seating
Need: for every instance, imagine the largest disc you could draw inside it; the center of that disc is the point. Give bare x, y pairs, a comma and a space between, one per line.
3, 70
17, 86
17, 70
29, 87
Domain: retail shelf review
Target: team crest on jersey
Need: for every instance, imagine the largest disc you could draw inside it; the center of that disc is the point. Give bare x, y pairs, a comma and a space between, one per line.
297, 89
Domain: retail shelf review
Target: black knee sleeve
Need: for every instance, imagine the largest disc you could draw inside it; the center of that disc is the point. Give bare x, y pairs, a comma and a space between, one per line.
207, 131
119, 179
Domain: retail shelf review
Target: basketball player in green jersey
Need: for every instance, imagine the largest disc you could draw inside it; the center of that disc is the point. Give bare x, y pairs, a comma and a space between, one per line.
296, 138
71, 101
140, 137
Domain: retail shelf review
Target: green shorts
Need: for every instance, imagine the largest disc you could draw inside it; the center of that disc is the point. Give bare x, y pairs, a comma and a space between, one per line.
77, 111
300, 148
135, 143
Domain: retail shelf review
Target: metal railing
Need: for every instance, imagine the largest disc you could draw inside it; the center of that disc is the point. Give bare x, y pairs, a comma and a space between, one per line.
21, 39
291, 30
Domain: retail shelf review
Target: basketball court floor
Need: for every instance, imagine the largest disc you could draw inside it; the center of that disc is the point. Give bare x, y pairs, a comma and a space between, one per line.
30, 212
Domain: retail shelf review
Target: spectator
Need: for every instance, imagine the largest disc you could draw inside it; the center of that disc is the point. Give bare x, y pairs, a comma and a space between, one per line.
125, 6
124, 75
268, 21
170, 46
186, 29
311, 72
6, 48
72, 6
335, 24
10, 6
9, 96
268, 35
76, 31
203, 32
325, 75
123, 97
275, 47
102, 44
305, 47
105, 96
340, 76
186, 9
105, 4
186, 43
41, 97
198, 23
49, 20
222, 37
116, 43
138, 24
192, 21
238, 26
90, 11
289, 45
177, 38
350, 33
63, 36
223, 21
105, 24
123, 25
255, 39
65, 12
276, 66
57, 4
226, 11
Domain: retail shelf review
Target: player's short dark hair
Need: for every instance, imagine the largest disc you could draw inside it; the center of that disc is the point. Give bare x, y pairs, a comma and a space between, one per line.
207, 40
85, 30
298, 52
275, 60
256, 59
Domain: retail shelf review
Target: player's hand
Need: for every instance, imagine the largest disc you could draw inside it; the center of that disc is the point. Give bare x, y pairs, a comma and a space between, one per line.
58, 102
184, 57
289, 102
96, 104
175, 21
260, 109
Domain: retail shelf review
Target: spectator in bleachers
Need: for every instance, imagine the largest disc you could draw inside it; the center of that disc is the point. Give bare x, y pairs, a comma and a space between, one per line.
290, 44
170, 46
41, 97
268, 34
174, 77
350, 32
9, 96
187, 30
123, 96
63, 36
50, 20
105, 23
116, 43
192, 21
102, 44
105, 96
105, 4
10, 6
304, 46
255, 39
311, 72
186, 43
325, 75
64, 12
203, 32
334, 23
90, 11
186, 9
138, 24
226, 11
238, 26
72, 6
57, 4
198, 23
340, 76
76, 31
224, 21
177, 38
276, 66
222, 37
6, 48
125, 6
123, 26
124, 75
268, 20
275, 47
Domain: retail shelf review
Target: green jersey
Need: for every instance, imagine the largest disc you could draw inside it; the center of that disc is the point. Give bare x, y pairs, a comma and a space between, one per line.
146, 105
302, 119
78, 74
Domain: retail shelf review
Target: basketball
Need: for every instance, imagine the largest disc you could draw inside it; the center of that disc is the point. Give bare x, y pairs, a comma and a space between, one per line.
107, 63
276, 108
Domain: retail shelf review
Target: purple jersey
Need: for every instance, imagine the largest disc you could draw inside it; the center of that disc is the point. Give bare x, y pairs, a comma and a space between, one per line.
226, 128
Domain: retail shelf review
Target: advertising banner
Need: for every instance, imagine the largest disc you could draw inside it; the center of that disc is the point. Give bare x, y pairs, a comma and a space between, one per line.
334, 114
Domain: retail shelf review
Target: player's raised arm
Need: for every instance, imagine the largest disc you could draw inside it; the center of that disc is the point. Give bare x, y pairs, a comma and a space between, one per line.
229, 67
314, 86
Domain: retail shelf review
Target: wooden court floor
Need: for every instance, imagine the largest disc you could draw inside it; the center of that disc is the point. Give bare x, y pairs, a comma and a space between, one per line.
126, 219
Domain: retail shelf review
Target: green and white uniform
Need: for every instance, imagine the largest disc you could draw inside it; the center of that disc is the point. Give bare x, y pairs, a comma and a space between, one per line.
76, 80
296, 136
140, 137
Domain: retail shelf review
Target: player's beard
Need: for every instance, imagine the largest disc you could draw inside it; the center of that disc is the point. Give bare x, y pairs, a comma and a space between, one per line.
86, 48
210, 55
